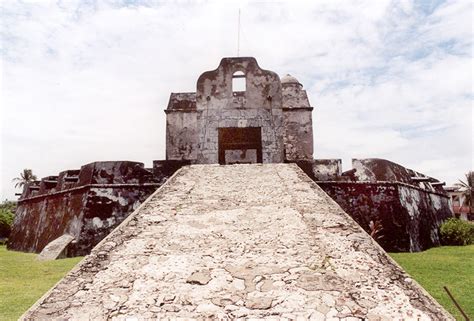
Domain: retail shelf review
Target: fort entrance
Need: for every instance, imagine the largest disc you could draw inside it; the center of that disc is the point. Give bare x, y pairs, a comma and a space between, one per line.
240, 145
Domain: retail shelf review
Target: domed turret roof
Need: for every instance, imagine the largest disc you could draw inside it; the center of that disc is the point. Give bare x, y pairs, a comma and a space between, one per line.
289, 79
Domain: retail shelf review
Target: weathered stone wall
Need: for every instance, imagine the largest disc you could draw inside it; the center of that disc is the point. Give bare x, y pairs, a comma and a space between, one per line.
86, 203
40, 220
293, 94
181, 127
280, 109
258, 106
382, 170
326, 169
163, 169
406, 206
104, 209
409, 217
298, 123
298, 134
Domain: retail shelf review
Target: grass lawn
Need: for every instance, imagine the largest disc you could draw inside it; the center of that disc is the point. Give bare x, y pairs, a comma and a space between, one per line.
23, 280
451, 266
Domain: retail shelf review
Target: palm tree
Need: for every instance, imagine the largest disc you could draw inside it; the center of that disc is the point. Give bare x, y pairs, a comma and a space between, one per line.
25, 177
468, 187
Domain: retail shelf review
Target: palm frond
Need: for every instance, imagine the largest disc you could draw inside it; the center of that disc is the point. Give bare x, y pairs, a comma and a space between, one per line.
461, 184
25, 177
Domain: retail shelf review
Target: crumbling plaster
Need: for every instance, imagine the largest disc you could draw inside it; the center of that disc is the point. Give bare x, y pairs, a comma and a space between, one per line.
259, 106
282, 111
86, 203
409, 211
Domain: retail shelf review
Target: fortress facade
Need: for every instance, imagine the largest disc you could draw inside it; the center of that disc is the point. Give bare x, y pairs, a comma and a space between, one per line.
266, 120
239, 114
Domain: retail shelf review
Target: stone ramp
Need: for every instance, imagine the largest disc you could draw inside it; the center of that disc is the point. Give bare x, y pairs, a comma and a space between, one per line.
240, 241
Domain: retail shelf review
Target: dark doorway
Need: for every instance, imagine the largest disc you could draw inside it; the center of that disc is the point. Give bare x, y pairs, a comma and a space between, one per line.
240, 145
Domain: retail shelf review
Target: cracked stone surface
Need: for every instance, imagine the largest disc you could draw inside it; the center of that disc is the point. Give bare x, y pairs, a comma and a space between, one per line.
240, 241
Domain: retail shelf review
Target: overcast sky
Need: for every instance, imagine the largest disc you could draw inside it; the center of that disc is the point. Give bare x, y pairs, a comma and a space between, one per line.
84, 81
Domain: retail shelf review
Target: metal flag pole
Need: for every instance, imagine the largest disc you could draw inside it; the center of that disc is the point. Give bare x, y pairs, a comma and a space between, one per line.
238, 36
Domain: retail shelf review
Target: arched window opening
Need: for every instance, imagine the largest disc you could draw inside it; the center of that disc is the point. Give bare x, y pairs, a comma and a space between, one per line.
239, 82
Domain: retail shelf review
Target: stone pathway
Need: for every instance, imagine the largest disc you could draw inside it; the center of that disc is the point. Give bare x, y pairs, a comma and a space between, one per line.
242, 241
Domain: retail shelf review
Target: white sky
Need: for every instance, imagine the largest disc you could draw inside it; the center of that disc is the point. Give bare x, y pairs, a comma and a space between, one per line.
84, 81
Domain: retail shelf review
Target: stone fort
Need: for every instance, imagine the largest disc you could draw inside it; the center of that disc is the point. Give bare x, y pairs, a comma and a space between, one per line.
239, 114
266, 236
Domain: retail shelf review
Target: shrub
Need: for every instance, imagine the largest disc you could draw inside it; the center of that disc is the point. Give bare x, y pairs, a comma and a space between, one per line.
457, 232
6, 221
7, 210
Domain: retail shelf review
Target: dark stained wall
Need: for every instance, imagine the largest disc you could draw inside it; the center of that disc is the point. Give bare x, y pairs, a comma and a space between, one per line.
220, 106
42, 219
410, 217
88, 205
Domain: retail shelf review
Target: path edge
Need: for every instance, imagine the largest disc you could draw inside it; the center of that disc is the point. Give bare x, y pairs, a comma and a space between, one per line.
25, 315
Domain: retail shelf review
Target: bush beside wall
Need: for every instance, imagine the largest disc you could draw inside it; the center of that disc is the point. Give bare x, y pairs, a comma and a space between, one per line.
457, 232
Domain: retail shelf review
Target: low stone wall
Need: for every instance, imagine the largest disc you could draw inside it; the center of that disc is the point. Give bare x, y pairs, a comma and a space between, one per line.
405, 218
39, 220
405, 207
326, 169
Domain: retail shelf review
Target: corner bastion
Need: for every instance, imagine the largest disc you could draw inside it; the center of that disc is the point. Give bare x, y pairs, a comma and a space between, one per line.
402, 209
86, 204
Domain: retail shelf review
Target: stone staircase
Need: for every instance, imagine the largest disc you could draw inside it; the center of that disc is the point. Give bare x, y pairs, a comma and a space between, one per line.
239, 241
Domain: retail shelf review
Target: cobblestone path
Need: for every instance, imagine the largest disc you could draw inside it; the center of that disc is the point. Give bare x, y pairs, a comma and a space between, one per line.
241, 241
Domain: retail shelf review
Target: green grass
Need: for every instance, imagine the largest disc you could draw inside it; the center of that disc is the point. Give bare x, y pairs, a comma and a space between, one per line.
451, 266
23, 280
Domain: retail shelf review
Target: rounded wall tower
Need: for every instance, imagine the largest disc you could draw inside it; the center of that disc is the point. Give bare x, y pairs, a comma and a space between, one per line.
297, 120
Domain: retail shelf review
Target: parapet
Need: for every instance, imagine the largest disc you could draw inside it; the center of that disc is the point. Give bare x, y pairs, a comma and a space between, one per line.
183, 102
215, 88
377, 170
98, 173
371, 170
